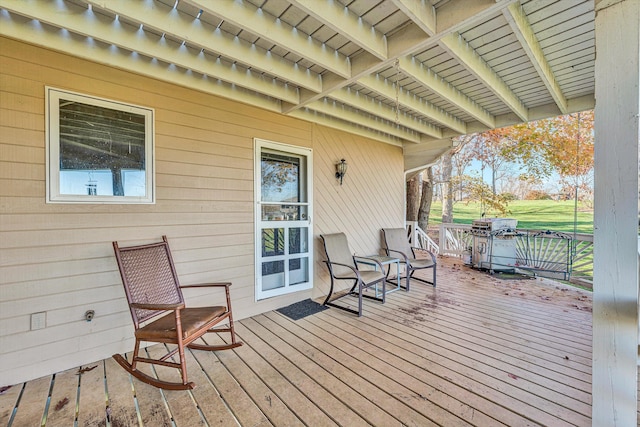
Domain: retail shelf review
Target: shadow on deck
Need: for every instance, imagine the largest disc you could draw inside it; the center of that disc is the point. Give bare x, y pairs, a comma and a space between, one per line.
477, 350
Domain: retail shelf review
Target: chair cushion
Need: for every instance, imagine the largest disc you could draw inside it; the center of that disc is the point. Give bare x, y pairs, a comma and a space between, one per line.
193, 320
370, 276
421, 263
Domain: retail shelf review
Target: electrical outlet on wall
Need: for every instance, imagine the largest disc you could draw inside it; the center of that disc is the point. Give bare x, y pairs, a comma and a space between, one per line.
38, 320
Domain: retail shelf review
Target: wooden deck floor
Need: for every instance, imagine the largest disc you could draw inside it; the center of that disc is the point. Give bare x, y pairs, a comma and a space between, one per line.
477, 351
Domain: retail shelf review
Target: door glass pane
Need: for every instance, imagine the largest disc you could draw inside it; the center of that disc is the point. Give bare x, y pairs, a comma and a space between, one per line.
273, 212
272, 242
272, 275
298, 240
281, 178
298, 270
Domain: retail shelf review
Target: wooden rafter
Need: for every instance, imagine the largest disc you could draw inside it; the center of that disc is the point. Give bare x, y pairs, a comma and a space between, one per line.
341, 20
249, 18
48, 37
466, 55
435, 83
166, 20
225, 48
422, 13
525, 34
331, 122
85, 22
365, 103
407, 100
340, 111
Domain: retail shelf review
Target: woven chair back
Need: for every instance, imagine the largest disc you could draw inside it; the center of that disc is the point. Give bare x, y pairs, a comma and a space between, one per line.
149, 277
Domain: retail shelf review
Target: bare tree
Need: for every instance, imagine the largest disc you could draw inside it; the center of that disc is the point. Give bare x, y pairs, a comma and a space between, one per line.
447, 188
425, 200
413, 197
462, 157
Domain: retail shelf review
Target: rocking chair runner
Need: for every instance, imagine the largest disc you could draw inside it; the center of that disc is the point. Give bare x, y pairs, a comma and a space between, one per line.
158, 311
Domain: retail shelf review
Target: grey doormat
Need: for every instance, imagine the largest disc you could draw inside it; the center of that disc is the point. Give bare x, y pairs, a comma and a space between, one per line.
301, 309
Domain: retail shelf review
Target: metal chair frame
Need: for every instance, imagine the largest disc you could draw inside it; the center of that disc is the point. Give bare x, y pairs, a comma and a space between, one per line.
346, 268
407, 254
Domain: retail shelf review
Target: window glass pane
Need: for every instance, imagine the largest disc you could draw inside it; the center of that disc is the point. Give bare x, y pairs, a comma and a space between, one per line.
95, 139
133, 182
88, 182
272, 241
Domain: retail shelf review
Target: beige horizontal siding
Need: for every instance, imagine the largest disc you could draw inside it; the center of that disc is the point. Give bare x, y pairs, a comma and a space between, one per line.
57, 258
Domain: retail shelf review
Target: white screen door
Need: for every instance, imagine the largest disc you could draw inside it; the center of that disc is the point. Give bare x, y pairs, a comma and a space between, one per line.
283, 219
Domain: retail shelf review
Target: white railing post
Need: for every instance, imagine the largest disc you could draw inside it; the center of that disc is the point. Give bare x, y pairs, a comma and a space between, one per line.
414, 233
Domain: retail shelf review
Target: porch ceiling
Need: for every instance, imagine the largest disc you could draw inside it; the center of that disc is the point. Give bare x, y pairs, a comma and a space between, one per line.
404, 72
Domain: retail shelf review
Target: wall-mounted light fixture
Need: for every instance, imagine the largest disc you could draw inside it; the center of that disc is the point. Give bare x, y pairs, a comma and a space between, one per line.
341, 170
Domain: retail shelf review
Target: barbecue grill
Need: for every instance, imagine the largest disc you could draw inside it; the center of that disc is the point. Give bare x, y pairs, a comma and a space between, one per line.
494, 244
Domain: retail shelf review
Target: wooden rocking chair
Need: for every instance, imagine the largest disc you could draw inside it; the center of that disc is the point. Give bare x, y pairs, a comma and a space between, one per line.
158, 311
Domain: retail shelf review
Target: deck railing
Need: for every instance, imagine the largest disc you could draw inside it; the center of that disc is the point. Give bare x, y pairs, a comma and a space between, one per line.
545, 253
419, 238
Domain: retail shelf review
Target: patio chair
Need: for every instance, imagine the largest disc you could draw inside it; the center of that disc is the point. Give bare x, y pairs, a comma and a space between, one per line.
397, 244
158, 310
342, 266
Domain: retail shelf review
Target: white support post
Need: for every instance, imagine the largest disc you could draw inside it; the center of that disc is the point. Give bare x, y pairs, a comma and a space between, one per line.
616, 269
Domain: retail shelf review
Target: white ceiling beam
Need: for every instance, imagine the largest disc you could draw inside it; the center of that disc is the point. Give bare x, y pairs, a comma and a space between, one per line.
164, 19
82, 21
455, 16
452, 16
343, 21
406, 99
339, 111
332, 122
421, 12
376, 108
582, 103
253, 20
526, 36
420, 156
32, 31
436, 84
456, 46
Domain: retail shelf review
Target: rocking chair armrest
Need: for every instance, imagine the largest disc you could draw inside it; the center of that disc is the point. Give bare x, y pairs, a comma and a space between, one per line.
206, 285
157, 306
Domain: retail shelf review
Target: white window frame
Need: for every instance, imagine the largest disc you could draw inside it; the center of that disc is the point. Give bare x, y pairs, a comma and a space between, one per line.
259, 145
52, 130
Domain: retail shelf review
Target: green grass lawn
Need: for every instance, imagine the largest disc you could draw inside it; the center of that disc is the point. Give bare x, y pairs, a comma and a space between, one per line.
531, 214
